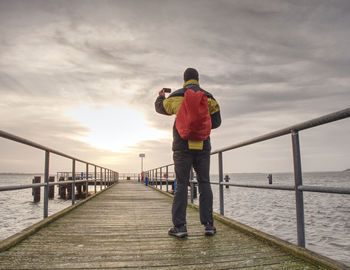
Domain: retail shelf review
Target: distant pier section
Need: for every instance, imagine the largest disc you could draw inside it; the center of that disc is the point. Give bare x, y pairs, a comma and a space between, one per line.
65, 187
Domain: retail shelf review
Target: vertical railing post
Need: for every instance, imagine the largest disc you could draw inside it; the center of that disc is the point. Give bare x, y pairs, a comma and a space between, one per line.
161, 178
299, 200
156, 178
95, 178
105, 178
152, 177
46, 187
100, 178
166, 179
102, 183
87, 181
73, 184
191, 184
221, 187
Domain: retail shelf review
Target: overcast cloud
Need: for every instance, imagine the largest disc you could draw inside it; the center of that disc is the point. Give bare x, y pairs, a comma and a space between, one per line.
270, 64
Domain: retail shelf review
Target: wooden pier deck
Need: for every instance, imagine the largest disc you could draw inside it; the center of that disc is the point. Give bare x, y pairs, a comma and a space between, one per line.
126, 226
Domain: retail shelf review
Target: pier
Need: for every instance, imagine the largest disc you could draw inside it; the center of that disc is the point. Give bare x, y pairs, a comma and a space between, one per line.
126, 227
125, 223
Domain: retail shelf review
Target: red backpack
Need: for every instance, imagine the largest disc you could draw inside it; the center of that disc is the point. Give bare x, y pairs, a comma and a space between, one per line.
193, 121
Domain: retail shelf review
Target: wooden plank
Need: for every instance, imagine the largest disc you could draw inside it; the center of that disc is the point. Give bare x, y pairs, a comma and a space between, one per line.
126, 227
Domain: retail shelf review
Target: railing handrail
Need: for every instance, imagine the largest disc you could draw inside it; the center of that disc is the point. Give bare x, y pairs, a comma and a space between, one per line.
298, 127
108, 174
17, 187
18, 139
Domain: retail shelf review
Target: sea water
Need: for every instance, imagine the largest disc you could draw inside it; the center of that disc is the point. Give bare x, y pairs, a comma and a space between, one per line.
17, 209
327, 216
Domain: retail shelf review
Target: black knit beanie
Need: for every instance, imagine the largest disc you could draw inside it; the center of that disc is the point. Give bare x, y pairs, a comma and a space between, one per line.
190, 73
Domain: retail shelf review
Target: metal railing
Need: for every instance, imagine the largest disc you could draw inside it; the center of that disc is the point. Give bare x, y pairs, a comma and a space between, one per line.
298, 186
153, 177
129, 176
107, 176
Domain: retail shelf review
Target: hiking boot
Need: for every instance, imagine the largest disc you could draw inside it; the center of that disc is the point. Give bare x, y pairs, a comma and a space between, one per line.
210, 230
178, 232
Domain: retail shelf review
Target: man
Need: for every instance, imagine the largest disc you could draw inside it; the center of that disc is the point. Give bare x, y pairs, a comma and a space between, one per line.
188, 153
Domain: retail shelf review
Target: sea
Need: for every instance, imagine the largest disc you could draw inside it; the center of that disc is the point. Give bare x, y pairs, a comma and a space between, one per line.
17, 209
327, 216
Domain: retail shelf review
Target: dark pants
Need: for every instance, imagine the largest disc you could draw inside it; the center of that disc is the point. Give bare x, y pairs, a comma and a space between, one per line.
200, 160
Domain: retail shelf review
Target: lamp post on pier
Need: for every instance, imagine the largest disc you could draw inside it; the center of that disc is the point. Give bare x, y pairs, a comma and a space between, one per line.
142, 155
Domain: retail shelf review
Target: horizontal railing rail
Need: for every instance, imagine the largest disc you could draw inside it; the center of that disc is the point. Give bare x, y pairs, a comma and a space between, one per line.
18, 139
107, 176
298, 186
17, 187
339, 115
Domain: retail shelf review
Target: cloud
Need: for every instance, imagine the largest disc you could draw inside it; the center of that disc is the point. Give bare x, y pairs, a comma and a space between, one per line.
270, 64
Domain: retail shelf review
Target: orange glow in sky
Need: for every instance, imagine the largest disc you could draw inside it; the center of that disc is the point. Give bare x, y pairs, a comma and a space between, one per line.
115, 128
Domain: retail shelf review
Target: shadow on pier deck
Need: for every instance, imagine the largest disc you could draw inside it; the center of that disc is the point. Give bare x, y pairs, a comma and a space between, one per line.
126, 227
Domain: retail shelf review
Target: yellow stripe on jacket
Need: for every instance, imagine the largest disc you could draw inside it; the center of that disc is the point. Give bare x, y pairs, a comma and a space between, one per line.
172, 105
213, 106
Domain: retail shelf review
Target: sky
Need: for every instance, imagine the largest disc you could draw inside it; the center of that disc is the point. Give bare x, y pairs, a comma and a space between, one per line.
81, 77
